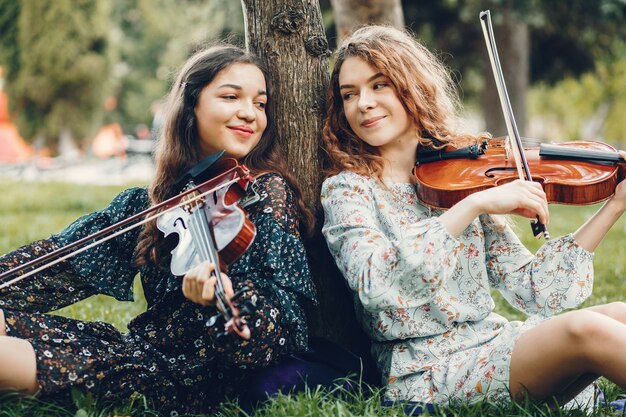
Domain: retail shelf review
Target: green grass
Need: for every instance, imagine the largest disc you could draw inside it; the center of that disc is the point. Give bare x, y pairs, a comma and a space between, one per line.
30, 211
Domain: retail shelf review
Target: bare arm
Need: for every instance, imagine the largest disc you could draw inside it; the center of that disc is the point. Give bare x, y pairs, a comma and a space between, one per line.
590, 234
524, 198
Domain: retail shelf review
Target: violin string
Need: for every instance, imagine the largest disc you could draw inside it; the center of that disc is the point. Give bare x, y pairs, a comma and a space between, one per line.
211, 249
198, 228
10, 272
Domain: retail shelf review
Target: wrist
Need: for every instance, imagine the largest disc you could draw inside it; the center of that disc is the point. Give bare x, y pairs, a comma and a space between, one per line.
615, 208
473, 206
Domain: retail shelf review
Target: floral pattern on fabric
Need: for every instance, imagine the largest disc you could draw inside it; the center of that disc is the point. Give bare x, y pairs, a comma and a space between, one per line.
169, 353
424, 297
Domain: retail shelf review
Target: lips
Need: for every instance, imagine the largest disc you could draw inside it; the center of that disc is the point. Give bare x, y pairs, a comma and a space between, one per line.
242, 130
372, 121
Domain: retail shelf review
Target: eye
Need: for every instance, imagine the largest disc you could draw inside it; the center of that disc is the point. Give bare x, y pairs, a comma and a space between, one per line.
229, 97
261, 104
379, 85
347, 96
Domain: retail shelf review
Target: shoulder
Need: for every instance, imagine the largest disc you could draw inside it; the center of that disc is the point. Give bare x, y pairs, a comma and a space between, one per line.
347, 184
277, 200
133, 196
131, 200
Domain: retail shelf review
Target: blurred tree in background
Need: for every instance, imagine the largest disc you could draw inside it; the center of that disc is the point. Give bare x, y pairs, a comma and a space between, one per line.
569, 42
349, 15
59, 65
75, 63
154, 37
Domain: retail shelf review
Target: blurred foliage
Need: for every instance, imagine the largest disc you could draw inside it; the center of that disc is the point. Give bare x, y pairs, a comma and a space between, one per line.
60, 66
154, 38
79, 63
589, 107
567, 38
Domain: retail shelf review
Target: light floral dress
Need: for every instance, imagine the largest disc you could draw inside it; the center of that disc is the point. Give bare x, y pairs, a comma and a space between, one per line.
423, 297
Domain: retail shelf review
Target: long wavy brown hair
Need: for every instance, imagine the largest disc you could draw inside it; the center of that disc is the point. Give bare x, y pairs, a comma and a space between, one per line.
178, 147
422, 83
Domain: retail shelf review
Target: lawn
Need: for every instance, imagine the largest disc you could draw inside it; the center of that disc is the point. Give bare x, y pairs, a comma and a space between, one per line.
30, 211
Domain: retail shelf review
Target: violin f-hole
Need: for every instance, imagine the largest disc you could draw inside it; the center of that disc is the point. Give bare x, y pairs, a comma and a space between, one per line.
490, 171
182, 221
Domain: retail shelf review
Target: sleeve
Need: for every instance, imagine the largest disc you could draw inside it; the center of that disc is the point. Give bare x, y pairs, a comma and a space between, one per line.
277, 265
103, 269
557, 277
383, 272
48, 290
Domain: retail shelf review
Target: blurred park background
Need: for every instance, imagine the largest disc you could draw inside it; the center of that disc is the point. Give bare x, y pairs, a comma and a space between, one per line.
83, 80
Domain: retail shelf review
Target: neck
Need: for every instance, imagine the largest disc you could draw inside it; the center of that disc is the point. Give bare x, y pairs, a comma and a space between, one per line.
399, 164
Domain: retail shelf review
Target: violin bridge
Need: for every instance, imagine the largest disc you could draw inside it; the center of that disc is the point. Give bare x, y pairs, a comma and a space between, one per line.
507, 147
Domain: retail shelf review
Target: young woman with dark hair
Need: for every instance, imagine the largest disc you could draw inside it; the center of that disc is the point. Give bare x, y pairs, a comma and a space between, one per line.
170, 354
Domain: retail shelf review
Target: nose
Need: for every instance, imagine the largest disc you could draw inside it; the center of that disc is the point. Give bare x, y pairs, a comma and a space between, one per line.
367, 100
246, 111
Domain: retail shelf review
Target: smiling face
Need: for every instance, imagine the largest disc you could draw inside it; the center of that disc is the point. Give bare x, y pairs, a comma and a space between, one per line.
230, 111
372, 107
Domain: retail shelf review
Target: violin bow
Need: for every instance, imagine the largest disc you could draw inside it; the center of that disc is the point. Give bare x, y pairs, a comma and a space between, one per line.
57, 256
538, 228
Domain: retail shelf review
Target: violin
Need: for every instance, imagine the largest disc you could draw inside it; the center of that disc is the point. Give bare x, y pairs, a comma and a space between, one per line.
207, 218
572, 173
212, 225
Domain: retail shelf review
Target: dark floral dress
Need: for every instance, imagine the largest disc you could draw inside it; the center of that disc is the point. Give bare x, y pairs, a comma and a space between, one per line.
169, 353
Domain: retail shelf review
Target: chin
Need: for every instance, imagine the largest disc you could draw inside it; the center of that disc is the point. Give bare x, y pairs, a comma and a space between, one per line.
236, 154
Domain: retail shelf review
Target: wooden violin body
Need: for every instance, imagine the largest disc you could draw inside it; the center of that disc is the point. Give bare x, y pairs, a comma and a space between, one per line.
231, 229
441, 184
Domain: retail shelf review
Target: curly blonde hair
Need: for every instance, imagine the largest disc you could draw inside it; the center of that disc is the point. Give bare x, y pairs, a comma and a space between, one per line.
422, 83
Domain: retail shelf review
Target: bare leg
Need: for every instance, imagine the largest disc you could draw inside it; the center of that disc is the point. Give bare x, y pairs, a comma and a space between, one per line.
18, 365
18, 362
558, 356
617, 311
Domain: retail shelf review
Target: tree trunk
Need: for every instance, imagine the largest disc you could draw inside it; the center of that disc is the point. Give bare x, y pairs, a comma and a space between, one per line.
351, 14
513, 44
289, 37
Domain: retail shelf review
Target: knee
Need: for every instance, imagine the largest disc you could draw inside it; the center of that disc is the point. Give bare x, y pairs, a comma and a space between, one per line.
588, 329
585, 328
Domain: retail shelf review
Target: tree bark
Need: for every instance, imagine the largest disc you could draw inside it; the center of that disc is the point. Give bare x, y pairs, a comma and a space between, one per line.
512, 40
289, 37
351, 14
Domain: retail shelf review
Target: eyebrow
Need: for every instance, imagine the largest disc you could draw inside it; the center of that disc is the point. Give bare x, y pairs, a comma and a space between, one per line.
239, 88
372, 78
